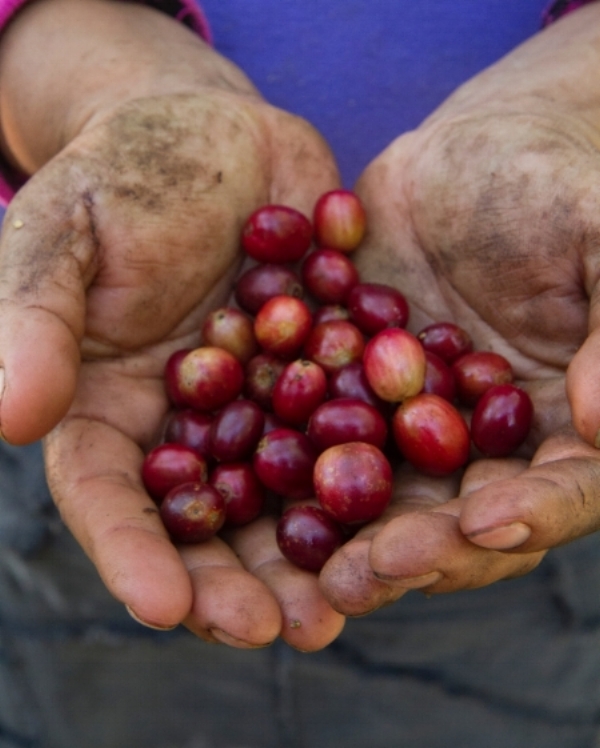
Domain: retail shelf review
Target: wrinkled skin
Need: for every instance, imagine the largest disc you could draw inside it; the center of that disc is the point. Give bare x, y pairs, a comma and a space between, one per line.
127, 235
487, 216
111, 256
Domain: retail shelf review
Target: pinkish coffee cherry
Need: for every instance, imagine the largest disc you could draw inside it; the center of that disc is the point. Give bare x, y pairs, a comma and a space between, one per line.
232, 330
339, 220
282, 326
209, 378
394, 363
334, 344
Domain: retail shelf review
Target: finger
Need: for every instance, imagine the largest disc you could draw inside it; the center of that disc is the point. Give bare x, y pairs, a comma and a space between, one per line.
348, 580
309, 621
94, 474
583, 386
555, 501
230, 605
101, 499
426, 549
46, 252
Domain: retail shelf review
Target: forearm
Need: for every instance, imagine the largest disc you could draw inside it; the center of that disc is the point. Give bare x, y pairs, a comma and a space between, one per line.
65, 64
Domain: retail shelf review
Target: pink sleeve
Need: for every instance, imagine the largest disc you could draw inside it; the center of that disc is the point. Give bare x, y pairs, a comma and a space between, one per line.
185, 11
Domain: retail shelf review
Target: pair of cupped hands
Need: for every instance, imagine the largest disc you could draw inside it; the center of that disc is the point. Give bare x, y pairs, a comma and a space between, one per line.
127, 235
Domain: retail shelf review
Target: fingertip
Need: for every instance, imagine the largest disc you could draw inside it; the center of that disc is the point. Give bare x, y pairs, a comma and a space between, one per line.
309, 622
40, 364
234, 606
349, 584
154, 586
583, 389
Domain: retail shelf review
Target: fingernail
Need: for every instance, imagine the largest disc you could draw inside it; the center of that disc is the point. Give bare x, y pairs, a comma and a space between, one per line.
231, 641
502, 538
413, 583
147, 624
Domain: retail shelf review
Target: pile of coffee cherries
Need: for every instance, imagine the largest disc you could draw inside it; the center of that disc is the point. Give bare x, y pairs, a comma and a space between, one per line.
307, 389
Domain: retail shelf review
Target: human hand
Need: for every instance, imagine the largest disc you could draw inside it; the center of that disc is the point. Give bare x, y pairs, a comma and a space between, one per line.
111, 255
487, 215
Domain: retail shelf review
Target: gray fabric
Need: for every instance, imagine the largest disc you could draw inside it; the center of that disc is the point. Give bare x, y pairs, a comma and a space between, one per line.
516, 664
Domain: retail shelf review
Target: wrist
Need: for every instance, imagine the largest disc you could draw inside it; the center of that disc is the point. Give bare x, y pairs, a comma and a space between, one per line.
65, 64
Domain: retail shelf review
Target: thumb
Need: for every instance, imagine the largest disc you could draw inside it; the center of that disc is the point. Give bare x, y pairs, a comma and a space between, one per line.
46, 249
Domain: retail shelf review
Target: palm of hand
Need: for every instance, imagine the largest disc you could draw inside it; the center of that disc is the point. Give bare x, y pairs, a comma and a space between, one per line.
485, 221
113, 254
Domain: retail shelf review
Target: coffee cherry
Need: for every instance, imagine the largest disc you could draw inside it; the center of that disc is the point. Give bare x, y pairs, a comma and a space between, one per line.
244, 494
477, 371
299, 390
339, 220
334, 344
171, 377
282, 326
375, 306
193, 512
209, 378
276, 233
501, 420
236, 430
262, 372
190, 428
431, 434
353, 482
446, 339
232, 330
348, 343
262, 282
308, 537
351, 382
394, 362
284, 461
329, 276
170, 465
344, 420
439, 379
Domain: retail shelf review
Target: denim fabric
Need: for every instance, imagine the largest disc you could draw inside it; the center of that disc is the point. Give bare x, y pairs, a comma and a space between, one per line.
516, 664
